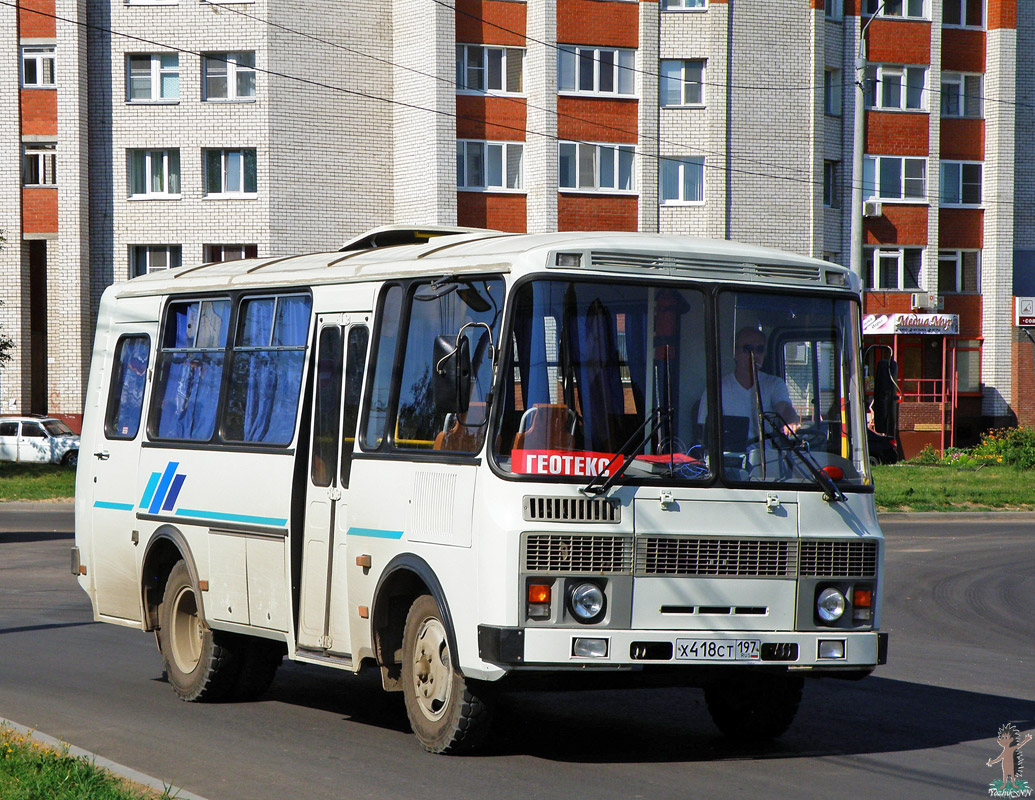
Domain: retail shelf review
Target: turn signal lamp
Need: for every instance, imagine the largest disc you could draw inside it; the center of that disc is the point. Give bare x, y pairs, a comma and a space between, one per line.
862, 597
538, 593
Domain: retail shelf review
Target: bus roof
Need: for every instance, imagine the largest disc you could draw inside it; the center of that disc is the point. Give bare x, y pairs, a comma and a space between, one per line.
465, 250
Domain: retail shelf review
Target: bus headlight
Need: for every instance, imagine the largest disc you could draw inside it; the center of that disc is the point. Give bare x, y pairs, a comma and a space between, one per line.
830, 604
586, 602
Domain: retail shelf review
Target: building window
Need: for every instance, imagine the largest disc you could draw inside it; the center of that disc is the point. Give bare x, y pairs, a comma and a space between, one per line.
493, 166
230, 172
896, 88
830, 185
482, 69
833, 9
901, 9
589, 70
38, 67
153, 78
894, 178
958, 271
963, 13
832, 92
39, 165
145, 258
229, 76
596, 167
893, 268
961, 95
682, 83
961, 183
230, 252
154, 173
682, 180
684, 5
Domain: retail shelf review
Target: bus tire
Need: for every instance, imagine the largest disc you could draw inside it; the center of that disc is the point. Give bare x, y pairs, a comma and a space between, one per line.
446, 712
753, 708
201, 665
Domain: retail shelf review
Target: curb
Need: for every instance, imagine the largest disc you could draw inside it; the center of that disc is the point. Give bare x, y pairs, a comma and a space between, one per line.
956, 516
103, 763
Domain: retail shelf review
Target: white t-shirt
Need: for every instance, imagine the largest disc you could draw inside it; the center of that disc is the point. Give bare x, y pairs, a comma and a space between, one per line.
740, 402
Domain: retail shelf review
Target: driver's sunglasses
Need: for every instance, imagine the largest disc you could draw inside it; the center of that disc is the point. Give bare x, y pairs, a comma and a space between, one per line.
752, 348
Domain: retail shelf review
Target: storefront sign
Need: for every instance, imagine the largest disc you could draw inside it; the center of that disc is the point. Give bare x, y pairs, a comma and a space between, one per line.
1025, 308
911, 323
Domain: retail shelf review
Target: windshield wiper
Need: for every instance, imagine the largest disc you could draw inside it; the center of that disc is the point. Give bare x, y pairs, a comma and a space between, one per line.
639, 438
795, 444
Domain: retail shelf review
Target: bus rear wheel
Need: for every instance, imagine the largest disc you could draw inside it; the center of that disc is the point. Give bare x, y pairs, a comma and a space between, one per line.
446, 712
201, 666
753, 708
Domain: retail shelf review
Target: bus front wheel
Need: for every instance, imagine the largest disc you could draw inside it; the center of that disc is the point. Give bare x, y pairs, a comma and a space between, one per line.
445, 711
752, 708
199, 666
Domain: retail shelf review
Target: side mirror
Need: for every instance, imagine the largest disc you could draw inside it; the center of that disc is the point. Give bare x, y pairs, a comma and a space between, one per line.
451, 385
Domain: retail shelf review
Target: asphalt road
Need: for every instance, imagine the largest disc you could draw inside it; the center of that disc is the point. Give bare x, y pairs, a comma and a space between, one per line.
960, 605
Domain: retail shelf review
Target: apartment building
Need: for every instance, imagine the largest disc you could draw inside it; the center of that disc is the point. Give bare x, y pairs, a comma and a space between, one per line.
191, 131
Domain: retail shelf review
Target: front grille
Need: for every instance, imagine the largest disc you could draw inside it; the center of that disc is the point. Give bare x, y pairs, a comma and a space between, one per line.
580, 554
569, 509
732, 558
838, 559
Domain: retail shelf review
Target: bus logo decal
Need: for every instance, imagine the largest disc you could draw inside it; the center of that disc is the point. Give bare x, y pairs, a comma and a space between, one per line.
162, 489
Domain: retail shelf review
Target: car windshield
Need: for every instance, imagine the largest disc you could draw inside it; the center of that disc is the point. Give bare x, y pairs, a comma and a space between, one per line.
596, 368
56, 427
606, 377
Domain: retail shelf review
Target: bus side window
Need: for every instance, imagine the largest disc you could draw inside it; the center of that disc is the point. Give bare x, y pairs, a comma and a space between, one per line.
385, 341
355, 359
126, 392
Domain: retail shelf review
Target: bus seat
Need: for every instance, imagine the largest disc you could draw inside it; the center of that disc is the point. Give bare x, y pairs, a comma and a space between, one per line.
546, 426
462, 436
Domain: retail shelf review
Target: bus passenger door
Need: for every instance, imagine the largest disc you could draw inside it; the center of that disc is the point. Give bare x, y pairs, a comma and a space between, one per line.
340, 355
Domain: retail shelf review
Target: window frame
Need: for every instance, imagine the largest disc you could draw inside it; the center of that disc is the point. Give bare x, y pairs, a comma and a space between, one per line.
463, 67
833, 103
963, 7
833, 10
148, 161
682, 164
224, 153
686, 84
960, 79
959, 167
878, 9
576, 51
872, 254
230, 59
45, 156
874, 99
156, 72
831, 184
597, 188
40, 54
956, 256
463, 146
685, 6
244, 248
170, 250
877, 162
116, 382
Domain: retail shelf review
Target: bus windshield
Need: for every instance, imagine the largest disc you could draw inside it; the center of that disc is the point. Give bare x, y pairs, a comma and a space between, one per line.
607, 377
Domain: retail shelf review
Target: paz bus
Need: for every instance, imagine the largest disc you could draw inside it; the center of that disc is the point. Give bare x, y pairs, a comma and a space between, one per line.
476, 461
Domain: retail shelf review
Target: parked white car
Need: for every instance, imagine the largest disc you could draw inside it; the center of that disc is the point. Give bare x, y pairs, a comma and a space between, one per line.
44, 440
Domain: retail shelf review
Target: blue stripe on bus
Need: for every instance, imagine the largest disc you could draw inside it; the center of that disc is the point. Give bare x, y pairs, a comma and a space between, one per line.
113, 506
376, 533
224, 517
163, 487
174, 492
149, 492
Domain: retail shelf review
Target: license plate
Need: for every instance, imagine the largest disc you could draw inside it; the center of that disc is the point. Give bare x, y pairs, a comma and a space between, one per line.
717, 649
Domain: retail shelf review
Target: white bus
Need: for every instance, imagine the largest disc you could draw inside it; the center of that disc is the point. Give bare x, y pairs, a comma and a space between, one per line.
479, 461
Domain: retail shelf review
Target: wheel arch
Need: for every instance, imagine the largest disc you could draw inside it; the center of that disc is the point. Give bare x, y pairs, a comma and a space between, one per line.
406, 577
166, 546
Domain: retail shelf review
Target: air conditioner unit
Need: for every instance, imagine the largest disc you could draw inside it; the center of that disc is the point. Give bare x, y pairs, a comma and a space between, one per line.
918, 300
872, 208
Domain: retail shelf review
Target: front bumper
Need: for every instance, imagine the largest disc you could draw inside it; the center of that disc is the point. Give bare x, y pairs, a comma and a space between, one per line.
553, 648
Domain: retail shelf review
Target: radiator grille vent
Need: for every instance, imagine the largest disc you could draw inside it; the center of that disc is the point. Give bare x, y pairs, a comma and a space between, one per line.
583, 554
570, 509
735, 558
838, 559
602, 259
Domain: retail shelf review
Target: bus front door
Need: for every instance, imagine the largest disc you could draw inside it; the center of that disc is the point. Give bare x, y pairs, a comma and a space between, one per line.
323, 620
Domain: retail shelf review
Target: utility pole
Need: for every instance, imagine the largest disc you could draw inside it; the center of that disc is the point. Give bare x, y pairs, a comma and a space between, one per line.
858, 143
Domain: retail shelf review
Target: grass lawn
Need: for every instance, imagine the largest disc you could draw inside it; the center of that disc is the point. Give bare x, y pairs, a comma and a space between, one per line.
906, 487
35, 482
